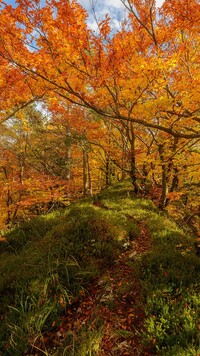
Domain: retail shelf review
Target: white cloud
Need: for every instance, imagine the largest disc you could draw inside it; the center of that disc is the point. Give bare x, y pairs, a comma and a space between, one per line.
114, 8
92, 25
117, 4
114, 3
159, 3
102, 3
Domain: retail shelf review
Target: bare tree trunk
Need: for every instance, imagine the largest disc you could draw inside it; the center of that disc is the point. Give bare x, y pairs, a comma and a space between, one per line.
175, 181
85, 176
107, 171
124, 151
8, 199
133, 161
164, 185
68, 153
89, 176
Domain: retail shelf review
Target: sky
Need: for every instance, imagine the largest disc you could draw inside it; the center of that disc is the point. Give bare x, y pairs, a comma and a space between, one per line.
114, 3
114, 8
106, 3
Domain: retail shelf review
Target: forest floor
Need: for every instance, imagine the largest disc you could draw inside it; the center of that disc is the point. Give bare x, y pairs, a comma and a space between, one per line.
110, 275
115, 301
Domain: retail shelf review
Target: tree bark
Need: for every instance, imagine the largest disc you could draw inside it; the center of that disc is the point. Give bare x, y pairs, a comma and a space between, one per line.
133, 160
164, 184
68, 153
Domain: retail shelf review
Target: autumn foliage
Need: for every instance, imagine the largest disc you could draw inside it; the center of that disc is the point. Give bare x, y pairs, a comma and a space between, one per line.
80, 109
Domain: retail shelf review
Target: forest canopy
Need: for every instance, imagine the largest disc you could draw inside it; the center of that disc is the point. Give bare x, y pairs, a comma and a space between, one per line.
80, 109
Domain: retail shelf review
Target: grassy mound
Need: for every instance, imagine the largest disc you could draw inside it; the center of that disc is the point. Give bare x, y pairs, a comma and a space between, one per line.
48, 262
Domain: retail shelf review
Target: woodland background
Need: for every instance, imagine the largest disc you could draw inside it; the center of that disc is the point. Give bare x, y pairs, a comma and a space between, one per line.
81, 110
111, 116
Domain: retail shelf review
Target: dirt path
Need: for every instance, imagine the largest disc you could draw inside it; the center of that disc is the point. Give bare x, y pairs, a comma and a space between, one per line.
114, 305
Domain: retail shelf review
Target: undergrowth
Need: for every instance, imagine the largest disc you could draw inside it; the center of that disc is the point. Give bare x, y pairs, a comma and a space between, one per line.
170, 280
49, 262
46, 264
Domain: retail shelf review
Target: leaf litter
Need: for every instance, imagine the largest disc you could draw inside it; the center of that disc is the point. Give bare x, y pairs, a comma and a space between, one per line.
113, 303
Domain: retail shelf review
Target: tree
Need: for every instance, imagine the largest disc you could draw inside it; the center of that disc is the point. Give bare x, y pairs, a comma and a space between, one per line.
142, 82
118, 79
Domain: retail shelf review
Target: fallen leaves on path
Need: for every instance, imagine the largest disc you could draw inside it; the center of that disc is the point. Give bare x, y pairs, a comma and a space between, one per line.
113, 302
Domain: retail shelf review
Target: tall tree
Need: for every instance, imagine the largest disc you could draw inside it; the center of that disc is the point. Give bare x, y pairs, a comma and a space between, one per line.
142, 81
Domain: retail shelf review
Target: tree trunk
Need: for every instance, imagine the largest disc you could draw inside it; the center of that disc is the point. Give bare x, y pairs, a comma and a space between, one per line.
175, 181
133, 162
124, 152
85, 175
163, 198
89, 176
9, 199
107, 171
68, 153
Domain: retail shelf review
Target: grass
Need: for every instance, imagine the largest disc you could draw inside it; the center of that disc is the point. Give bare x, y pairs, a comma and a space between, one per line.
47, 262
45, 265
88, 343
170, 279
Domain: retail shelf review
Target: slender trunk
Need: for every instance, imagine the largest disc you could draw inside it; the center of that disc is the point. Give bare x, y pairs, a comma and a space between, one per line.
8, 199
8, 205
85, 176
87, 182
87, 187
101, 179
165, 189
174, 185
107, 172
175, 181
145, 182
124, 151
133, 162
171, 168
89, 176
68, 153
